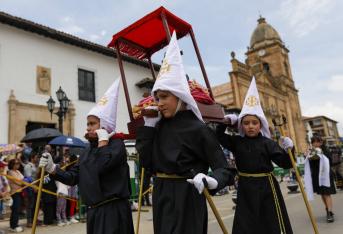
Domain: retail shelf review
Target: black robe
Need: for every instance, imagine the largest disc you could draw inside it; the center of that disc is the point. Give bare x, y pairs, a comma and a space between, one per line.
256, 211
314, 166
185, 146
101, 174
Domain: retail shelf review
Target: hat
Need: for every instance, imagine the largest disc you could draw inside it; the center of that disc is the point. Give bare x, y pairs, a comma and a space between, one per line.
106, 108
172, 77
252, 106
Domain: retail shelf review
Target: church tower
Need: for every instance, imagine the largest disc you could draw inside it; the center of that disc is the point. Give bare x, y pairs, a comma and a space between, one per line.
269, 55
267, 60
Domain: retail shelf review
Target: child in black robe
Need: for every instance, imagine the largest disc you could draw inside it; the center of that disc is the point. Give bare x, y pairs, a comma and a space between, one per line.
179, 148
321, 156
260, 205
102, 172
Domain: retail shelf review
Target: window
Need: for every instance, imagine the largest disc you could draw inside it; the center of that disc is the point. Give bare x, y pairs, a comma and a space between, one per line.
86, 85
266, 67
329, 124
317, 122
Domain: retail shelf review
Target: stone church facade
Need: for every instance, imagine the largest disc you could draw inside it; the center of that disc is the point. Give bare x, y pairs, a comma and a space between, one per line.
267, 60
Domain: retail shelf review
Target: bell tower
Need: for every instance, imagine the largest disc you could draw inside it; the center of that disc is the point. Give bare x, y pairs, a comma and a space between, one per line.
268, 55
267, 60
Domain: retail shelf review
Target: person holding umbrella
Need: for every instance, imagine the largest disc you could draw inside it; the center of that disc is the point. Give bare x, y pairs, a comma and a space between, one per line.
102, 173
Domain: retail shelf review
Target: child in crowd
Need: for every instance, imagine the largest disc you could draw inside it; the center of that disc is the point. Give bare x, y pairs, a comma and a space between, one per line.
61, 205
72, 191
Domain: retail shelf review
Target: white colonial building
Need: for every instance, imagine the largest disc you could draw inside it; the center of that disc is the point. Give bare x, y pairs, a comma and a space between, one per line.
36, 60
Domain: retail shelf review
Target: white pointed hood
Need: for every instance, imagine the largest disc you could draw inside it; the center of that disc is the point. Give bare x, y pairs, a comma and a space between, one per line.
106, 108
252, 106
172, 77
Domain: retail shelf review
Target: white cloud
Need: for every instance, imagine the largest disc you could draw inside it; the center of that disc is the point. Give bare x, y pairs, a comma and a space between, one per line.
328, 109
335, 84
216, 74
97, 37
68, 25
103, 32
304, 16
94, 37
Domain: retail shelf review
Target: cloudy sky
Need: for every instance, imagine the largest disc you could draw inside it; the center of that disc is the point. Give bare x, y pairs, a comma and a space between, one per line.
311, 29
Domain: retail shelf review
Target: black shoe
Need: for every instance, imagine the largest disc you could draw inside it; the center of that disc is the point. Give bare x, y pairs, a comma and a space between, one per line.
329, 217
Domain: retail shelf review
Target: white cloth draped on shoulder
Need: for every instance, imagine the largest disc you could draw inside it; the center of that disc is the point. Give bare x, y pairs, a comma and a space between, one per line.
324, 174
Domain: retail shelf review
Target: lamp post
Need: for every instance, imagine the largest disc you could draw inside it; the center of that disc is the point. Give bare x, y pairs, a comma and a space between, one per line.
63, 109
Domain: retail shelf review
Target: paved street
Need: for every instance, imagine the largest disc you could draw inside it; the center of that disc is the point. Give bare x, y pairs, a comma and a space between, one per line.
296, 209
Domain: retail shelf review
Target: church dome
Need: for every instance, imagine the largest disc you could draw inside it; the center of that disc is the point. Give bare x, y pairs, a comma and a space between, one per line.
263, 34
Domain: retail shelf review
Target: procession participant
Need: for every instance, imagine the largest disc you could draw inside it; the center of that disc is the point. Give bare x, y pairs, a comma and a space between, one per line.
102, 173
318, 176
176, 146
260, 205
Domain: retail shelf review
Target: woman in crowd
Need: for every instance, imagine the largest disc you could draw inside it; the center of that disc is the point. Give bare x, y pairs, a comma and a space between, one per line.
15, 185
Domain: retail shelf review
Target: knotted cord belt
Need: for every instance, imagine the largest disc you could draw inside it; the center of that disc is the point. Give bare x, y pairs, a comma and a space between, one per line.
276, 200
103, 203
169, 176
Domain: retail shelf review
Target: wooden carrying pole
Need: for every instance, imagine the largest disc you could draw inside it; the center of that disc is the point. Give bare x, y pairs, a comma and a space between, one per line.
214, 210
197, 51
123, 79
140, 201
294, 165
35, 217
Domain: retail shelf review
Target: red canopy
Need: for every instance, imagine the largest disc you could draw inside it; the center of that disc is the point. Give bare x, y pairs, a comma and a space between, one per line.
147, 35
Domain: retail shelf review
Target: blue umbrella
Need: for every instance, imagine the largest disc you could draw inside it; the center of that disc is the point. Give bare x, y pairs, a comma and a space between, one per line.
68, 141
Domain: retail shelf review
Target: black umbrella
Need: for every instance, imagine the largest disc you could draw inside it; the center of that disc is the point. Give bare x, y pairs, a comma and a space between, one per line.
41, 134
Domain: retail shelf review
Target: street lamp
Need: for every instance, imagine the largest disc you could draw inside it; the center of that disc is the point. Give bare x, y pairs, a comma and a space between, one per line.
63, 109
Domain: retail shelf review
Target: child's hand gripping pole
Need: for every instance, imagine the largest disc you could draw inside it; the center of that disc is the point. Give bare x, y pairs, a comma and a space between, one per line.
211, 203
279, 124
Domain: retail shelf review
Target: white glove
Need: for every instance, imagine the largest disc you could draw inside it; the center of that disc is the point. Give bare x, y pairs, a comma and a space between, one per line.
46, 179
46, 162
232, 117
199, 184
286, 143
152, 121
103, 135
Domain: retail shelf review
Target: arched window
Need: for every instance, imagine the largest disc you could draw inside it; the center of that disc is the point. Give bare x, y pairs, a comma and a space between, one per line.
266, 67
